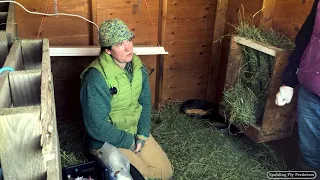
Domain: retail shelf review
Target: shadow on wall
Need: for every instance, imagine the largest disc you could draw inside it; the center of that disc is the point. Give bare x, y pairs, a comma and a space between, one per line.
66, 77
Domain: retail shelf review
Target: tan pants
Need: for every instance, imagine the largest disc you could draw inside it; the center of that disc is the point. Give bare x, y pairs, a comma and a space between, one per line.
152, 161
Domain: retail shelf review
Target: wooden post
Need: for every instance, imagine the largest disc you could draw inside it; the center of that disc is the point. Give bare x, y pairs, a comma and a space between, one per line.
218, 31
160, 58
267, 13
94, 33
11, 28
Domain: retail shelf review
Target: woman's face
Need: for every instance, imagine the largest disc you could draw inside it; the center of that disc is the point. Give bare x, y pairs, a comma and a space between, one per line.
122, 52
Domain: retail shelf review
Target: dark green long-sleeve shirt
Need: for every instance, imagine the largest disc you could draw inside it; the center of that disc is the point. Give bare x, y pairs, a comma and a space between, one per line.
95, 102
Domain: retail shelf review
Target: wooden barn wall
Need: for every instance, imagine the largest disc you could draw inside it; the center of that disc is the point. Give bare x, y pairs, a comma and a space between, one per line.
61, 30
289, 15
188, 39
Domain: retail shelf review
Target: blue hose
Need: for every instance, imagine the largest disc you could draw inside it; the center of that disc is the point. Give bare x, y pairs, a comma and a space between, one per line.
5, 68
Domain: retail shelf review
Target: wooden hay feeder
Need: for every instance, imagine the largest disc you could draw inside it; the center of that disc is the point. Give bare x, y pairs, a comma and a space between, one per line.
29, 147
277, 122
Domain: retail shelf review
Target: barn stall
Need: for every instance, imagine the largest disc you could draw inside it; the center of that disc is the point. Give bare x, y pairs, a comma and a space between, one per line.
204, 40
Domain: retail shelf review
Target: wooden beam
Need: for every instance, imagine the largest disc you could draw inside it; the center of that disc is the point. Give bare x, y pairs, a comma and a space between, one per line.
268, 7
163, 4
265, 48
53, 164
94, 32
11, 28
218, 31
20, 150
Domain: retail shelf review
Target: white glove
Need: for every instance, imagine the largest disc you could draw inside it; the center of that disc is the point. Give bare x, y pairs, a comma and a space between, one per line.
284, 95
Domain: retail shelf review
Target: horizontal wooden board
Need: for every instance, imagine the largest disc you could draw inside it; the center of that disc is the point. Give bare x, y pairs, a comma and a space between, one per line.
185, 79
189, 31
183, 94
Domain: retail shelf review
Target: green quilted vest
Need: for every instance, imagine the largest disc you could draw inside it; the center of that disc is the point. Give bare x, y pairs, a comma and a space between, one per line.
125, 108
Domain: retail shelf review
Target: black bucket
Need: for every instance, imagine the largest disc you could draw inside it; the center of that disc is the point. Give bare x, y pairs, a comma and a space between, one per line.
202, 109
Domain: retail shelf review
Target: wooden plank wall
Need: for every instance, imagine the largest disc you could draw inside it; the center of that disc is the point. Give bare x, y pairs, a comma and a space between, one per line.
188, 34
189, 40
60, 30
289, 20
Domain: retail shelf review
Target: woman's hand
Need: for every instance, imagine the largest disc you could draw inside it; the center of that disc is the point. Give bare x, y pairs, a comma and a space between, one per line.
139, 145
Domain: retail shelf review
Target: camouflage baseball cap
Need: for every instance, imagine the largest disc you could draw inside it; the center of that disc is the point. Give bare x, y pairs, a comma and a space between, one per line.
112, 32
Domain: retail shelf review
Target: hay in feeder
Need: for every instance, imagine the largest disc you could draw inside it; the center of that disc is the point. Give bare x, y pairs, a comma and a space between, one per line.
245, 101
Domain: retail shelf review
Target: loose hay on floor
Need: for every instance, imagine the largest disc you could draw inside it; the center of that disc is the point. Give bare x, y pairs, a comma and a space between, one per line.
199, 151
196, 149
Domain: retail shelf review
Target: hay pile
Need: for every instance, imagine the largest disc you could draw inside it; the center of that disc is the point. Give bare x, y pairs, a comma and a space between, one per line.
196, 149
245, 101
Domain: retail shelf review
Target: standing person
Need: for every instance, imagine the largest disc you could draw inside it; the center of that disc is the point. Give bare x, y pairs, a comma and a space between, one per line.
116, 102
304, 69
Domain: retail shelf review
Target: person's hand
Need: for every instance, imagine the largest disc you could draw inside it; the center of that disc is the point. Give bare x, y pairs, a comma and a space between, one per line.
133, 146
139, 144
284, 95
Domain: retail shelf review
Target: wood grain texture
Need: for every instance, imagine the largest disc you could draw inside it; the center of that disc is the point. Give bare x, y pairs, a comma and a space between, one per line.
250, 7
25, 87
144, 28
46, 99
163, 5
267, 13
61, 30
20, 150
289, 15
234, 64
218, 31
188, 40
94, 18
278, 121
31, 54
11, 26
50, 147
